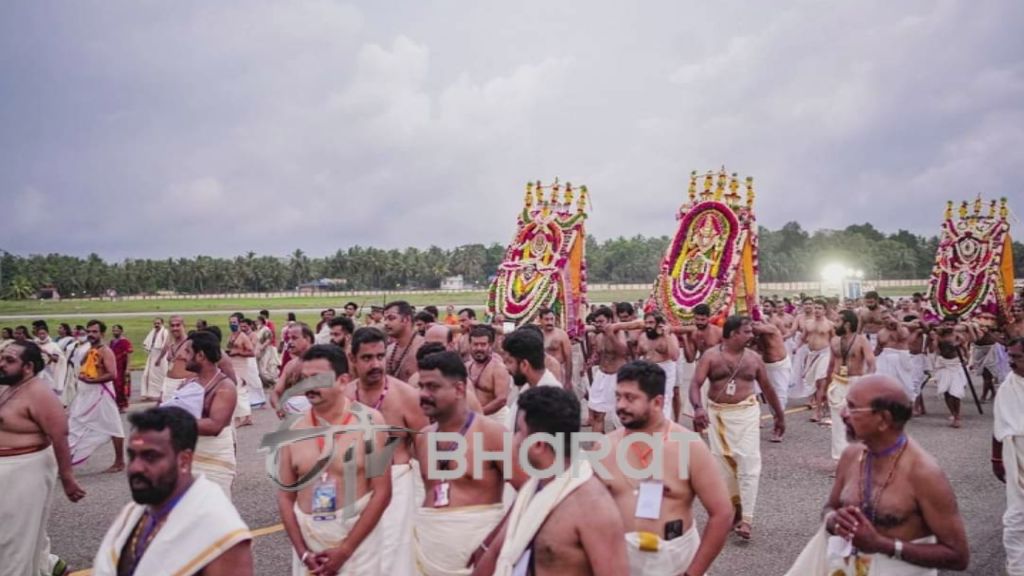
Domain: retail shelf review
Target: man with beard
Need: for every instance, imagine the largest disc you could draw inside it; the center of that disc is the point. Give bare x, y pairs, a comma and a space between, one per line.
467, 319
376, 318
322, 332
153, 375
53, 374
211, 398
734, 412
557, 344
696, 339
31, 421
325, 538
93, 417
342, 329
524, 360
1014, 328
850, 360
892, 350
351, 310
610, 349
566, 524
421, 321
891, 510
242, 354
399, 405
401, 355
816, 334
177, 524
487, 375
300, 339
456, 513
658, 345
664, 539
772, 346
625, 313
871, 317
1008, 454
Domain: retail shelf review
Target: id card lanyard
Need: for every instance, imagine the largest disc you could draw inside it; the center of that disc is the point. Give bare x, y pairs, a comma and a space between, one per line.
325, 493
650, 492
442, 490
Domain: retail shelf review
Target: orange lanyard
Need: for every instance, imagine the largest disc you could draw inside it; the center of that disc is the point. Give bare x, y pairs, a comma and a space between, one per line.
320, 439
647, 451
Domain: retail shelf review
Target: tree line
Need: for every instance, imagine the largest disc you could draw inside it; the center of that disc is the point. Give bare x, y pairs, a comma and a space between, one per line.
789, 254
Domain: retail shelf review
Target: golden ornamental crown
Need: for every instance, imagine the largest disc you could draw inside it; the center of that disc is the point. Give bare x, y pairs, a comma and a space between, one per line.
559, 198
721, 182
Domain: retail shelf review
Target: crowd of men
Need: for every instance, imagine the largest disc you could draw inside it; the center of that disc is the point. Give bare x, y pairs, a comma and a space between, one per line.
693, 390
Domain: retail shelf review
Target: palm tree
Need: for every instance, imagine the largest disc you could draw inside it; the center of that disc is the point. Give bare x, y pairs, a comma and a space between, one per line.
20, 288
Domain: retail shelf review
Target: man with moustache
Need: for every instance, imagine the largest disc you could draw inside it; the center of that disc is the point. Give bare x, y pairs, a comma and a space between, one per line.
556, 343
610, 350
892, 350
850, 360
625, 313
524, 360
178, 523
325, 539
457, 513
487, 374
210, 397
399, 406
658, 345
342, 329
93, 417
433, 347
872, 317
892, 510
696, 339
735, 413
1008, 454
176, 372
816, 334
32, 422
401, 354
300, 339
661, 532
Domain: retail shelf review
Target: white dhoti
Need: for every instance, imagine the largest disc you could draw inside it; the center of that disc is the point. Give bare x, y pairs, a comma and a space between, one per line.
991, 357
919, 362
899, 365
501, 416
950, 377
1008, 428
813, 367
672, 557
684, 376
837, 390
254, 383
242, 406
215, 457
93, 419
735, 441
822, 557
669, 366
395, 524
169, 388
445, 538
28, 481
319, 535
153, 376
198, 530
780, 374
602, 392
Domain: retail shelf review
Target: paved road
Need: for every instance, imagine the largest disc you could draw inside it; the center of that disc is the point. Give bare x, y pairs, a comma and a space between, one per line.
794, 484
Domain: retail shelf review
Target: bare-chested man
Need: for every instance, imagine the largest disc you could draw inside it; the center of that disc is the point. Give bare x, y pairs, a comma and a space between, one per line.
557, 345
401, 355
488, 377
32, 421
872, 317
399, 404
324, 539
457, 513
609, 351
240, 350
891, 501
1014, 328
735, 413
892, 351
815, 333
663, 539
176, 373
949, 344
566, 525
625, 313
918, 346
299, 339
702, 336
466, 321
770, 342
659, 345
851, 359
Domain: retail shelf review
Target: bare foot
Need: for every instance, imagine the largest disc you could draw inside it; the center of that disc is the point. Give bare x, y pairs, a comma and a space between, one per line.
776, 438
743, 530
115, 467
956, 423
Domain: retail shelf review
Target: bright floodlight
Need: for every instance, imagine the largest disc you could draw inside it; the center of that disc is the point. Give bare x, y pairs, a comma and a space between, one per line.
833, 273
860, 273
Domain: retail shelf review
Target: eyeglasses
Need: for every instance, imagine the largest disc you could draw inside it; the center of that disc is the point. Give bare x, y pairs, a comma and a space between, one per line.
854, 410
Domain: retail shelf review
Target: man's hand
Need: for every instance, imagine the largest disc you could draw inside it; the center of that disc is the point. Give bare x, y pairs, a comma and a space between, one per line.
780, 428
330, 561
700, 420
72, 490
999, 470
311, 562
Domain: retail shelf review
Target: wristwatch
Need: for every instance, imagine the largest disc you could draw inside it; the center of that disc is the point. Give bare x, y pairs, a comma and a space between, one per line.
897, 551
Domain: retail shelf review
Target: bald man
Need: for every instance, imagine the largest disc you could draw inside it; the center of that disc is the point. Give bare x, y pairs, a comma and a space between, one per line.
891, 507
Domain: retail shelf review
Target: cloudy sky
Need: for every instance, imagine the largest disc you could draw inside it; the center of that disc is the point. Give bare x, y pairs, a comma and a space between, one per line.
154, 129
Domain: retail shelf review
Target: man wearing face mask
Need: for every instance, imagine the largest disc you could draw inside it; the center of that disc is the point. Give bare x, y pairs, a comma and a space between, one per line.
211, 398
93, 418
178, 523
658, 345
850, 360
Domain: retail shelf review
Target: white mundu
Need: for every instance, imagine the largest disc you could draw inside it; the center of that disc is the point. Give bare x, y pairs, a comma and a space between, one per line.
320, 535
669, 366
1008, 428
827, 555
445, 538
735, 442
242, 406
836, 394
28, 482
900, 365
153, 374
395, 524
202, 526
531, 509
780, 374
93, 418
813, 368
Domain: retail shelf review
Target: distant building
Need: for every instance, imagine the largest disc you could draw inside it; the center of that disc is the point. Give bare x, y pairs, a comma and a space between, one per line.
453, 283
322, 285
48, 292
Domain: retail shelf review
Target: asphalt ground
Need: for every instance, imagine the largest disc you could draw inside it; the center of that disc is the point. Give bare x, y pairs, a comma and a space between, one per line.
795, 482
